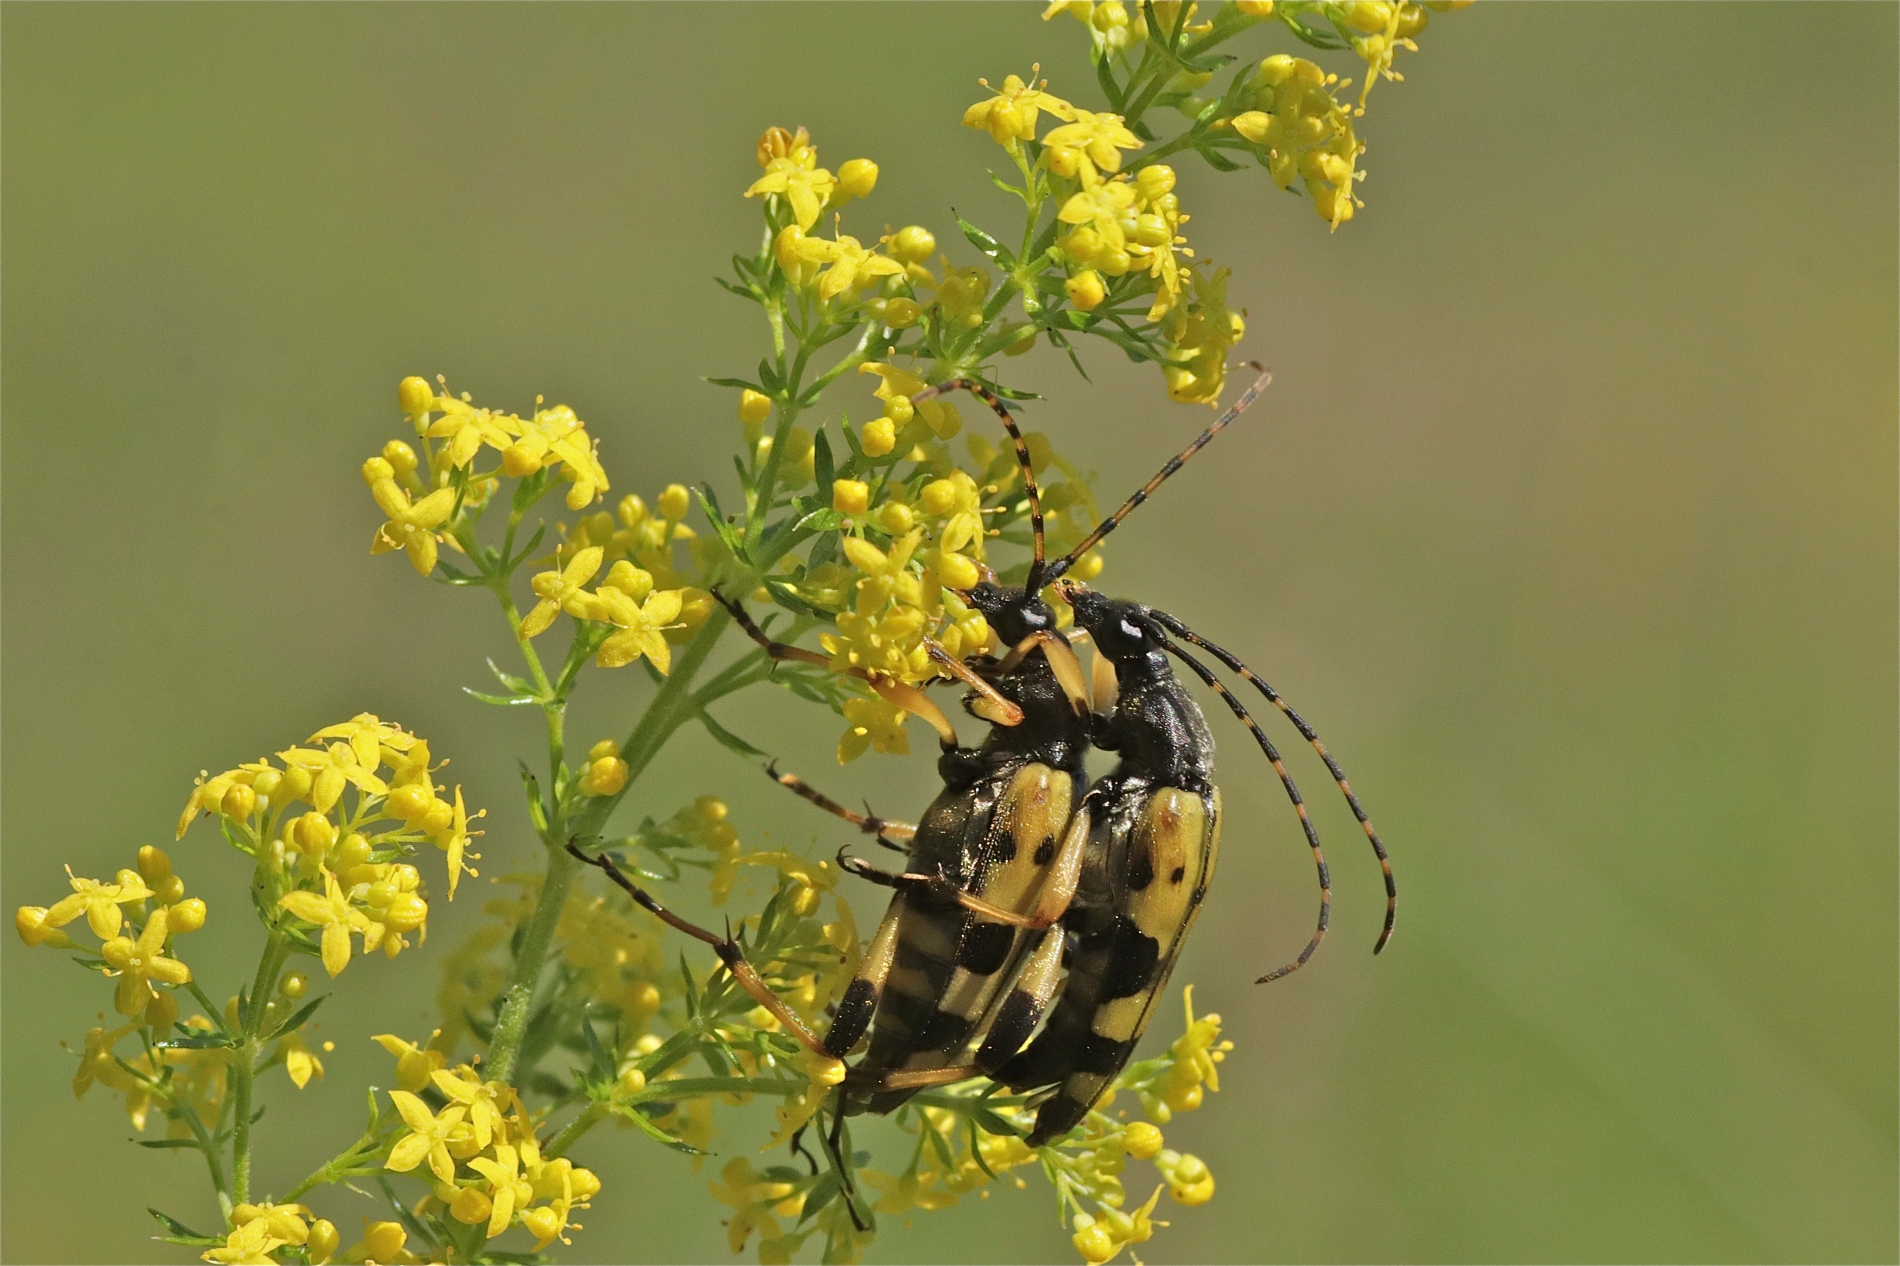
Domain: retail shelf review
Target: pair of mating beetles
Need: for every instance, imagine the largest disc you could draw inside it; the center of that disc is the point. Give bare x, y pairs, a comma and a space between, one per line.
1024, 884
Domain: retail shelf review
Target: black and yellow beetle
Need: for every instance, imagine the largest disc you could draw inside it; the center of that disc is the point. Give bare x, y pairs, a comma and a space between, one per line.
1012, 898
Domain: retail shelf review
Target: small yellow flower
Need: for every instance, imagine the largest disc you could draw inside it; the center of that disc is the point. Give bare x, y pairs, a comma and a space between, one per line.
299, 1062
330, 768
415, 1065
851, 264
642, 628
96, 1062
30, 923
467, 428
98, 902
872, 723
480, 1098
1010, 115
509, 1189
756, 1203
335, 915
805, 186
411, 525
428, 1138
1190, 1182
249, 1245
453, 840
285, 1221
140, 962
1092, 143
562, 591
368, 735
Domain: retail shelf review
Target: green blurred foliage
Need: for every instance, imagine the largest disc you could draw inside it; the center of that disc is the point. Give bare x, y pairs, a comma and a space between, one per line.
1570, 520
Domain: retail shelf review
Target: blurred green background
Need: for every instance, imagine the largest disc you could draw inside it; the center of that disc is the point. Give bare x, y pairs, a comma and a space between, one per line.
1570, 520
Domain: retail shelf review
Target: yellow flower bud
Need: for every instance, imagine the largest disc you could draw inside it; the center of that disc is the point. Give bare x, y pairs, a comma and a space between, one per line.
238, 803
1093, 1241
878, 437
323, 1240
410, 801
542, 1222
521, 459
313, 834
630, 1082
675, 501
439, 818
155, 866
295, 985
913, 244
384, 1240
1142, 1140
1063, 160
901, 313
376, 470
1086, 290
406, 912
400, 457
585, 1185
187, 916
799, 465
850, 496
797, 269
162, 1012
1254, 8
295, 786
30, 923
1276, 70
415, 395
894, 516
635, 582
641, 999
939, 497
856, 179
605, 776
754, 407
957, 572
1412, 20
899, 410
354, 853
470, 1206
1368, 15
1155, 181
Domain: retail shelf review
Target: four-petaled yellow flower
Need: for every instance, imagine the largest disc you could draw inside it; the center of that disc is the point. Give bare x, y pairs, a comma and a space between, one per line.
510, 1189
1010, 115
910, 1191
851, 263
415, 1065
798, 180
299, 1062
429, 1137
98, 902
335, 915
140, 962
484, 1115
642, 628
1092, 143
249, 1245
411, 526
367, 735
468, 428
454, 841
562, 590
329, 769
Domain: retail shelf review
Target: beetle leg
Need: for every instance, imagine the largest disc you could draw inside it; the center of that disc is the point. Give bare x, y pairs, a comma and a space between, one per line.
887, 833
1062, 660
993, 707
904, 696
854, 1011
730, 952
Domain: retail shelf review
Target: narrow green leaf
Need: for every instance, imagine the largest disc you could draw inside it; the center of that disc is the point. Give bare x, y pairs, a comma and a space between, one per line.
296, 1021
733, 382
821, 460
727, 739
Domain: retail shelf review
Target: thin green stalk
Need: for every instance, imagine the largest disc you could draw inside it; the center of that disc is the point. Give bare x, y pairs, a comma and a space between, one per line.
339, 1165
571, 1132
244, 1065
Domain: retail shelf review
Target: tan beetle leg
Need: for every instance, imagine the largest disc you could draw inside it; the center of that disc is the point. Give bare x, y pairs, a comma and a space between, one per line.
1062, 660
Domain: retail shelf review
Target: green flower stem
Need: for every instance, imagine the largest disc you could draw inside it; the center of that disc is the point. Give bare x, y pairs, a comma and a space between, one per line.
244, 1066
340, 1166
670, 708
571, 1132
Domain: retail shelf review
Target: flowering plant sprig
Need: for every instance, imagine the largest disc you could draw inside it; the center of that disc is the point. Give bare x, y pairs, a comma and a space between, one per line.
567, 1008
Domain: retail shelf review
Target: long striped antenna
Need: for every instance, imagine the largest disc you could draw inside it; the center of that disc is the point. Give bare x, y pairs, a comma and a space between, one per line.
1306, 731
1293, 793
1113, 521
1034, 582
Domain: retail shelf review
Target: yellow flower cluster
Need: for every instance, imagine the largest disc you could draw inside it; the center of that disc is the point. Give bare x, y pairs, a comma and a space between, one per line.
1199, 334
335, 872
1385, 27
1190, 1064
482, 1150
1301, 128
1113, 27
259, 1230
643, 583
